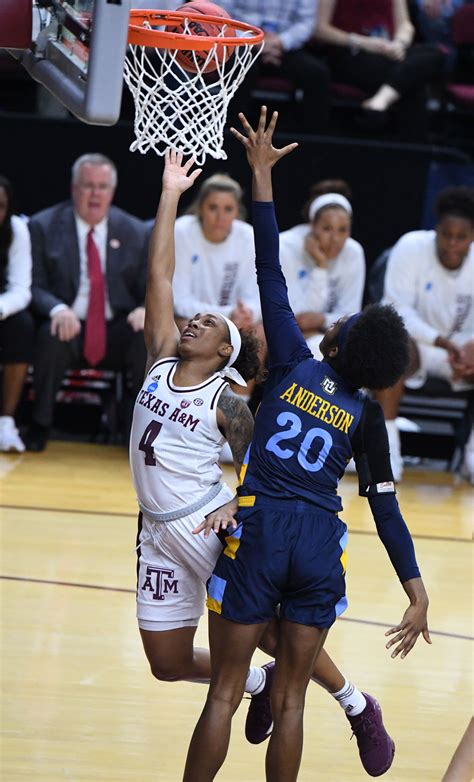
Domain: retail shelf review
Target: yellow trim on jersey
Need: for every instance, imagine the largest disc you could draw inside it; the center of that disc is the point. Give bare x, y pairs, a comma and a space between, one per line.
214, 605
343, 560
243, 471
247, 501
231, 547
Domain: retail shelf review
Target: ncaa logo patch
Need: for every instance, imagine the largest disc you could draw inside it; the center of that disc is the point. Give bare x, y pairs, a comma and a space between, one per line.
198, 402
152, 387
329, 386
184, 403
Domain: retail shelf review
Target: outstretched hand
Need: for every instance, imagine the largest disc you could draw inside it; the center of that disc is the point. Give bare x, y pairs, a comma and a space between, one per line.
176, 175
261, 154
407, 632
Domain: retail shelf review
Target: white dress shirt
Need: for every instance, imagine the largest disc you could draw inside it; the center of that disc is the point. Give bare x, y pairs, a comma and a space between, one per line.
81, 302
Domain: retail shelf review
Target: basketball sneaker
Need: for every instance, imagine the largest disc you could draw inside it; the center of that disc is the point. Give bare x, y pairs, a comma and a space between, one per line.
10, 439
259, 722
376, 748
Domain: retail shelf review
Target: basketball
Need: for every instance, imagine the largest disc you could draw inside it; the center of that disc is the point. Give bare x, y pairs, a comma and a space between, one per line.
186, 57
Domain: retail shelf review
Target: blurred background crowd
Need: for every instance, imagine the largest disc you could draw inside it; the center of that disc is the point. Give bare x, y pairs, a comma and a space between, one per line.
378, 205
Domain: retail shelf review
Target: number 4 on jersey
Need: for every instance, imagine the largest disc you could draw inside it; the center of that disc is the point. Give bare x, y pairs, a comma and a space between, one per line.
146, 443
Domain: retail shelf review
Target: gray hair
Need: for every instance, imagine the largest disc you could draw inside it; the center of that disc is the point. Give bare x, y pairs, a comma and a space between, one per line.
218, 183
93, 159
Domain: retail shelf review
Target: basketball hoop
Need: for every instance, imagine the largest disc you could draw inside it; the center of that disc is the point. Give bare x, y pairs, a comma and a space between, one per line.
185, 107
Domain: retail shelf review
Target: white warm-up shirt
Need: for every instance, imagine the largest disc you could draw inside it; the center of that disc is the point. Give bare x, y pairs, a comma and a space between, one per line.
17, 293
433, 301
214, 275
175, 442
335, 291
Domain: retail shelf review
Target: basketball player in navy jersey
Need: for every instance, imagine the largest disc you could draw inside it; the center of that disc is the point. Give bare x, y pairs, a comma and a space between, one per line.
289, 546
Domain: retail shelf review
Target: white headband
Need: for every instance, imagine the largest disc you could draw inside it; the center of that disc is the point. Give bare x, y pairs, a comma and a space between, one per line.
236, 342
325, 200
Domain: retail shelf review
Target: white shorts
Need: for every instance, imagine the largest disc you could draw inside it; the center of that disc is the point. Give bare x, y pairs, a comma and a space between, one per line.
173, 568
434, 362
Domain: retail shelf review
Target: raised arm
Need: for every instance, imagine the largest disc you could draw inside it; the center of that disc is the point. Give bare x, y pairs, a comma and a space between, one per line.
161, 333
284, 338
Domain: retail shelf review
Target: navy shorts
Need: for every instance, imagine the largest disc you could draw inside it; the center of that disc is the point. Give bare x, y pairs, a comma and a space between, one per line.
288, 553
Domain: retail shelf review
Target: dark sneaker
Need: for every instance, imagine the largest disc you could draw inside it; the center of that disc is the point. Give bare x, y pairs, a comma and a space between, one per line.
376, 748
259, 722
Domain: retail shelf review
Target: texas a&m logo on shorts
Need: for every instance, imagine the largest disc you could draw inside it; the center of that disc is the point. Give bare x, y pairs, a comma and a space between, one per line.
159, 582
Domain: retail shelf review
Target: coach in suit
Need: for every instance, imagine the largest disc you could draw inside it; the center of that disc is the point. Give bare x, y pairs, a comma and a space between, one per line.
89, 267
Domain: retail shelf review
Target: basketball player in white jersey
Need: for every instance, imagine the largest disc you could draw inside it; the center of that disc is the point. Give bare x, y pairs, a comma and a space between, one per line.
183, 414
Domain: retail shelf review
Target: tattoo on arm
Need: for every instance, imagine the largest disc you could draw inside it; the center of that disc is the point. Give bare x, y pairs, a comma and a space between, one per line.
238, 424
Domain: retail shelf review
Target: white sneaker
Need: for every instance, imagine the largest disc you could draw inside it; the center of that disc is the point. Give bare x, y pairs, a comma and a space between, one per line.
10, 439
467, 469
396, 459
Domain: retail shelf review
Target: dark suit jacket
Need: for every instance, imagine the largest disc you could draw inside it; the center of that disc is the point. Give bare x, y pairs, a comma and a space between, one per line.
56, 262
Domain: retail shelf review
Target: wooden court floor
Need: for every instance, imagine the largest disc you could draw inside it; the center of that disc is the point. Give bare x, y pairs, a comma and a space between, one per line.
78, 701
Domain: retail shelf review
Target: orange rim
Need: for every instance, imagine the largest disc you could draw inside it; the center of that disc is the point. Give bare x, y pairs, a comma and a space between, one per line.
160, 39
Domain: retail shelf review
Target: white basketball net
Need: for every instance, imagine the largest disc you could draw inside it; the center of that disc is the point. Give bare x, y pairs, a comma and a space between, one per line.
182, 110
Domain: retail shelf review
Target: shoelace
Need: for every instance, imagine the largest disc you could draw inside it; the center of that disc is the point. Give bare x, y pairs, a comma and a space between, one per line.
365, 724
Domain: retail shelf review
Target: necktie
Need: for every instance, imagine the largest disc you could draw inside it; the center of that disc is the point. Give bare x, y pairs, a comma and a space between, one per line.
95, 334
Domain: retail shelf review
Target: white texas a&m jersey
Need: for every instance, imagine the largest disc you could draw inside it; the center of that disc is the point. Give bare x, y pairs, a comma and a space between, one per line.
175, 442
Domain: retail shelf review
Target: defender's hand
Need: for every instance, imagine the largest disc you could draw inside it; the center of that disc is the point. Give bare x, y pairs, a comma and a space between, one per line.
261, 154
414, 622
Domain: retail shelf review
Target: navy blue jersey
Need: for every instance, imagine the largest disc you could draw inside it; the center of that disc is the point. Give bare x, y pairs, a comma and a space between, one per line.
301, 442
310, 421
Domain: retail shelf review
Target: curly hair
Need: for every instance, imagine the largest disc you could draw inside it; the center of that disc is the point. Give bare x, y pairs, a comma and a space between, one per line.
375, 352
457, 202
248, 362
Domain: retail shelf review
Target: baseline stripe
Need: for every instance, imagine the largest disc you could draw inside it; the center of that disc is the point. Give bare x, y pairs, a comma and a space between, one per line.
417, 536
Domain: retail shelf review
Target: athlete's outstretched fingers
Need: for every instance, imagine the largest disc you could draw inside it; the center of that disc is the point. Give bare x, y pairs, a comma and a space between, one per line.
262, 121
289, 148
426, 635
189, 163
239, 136
272, 124
246, 124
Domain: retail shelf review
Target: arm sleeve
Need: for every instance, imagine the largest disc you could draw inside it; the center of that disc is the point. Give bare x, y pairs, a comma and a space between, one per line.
395, 536
298, 33
285, 341
17, 295
350, 289
401, 286
372, 457
372, 452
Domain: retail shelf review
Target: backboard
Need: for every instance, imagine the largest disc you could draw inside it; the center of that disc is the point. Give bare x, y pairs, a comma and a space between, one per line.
77, 52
